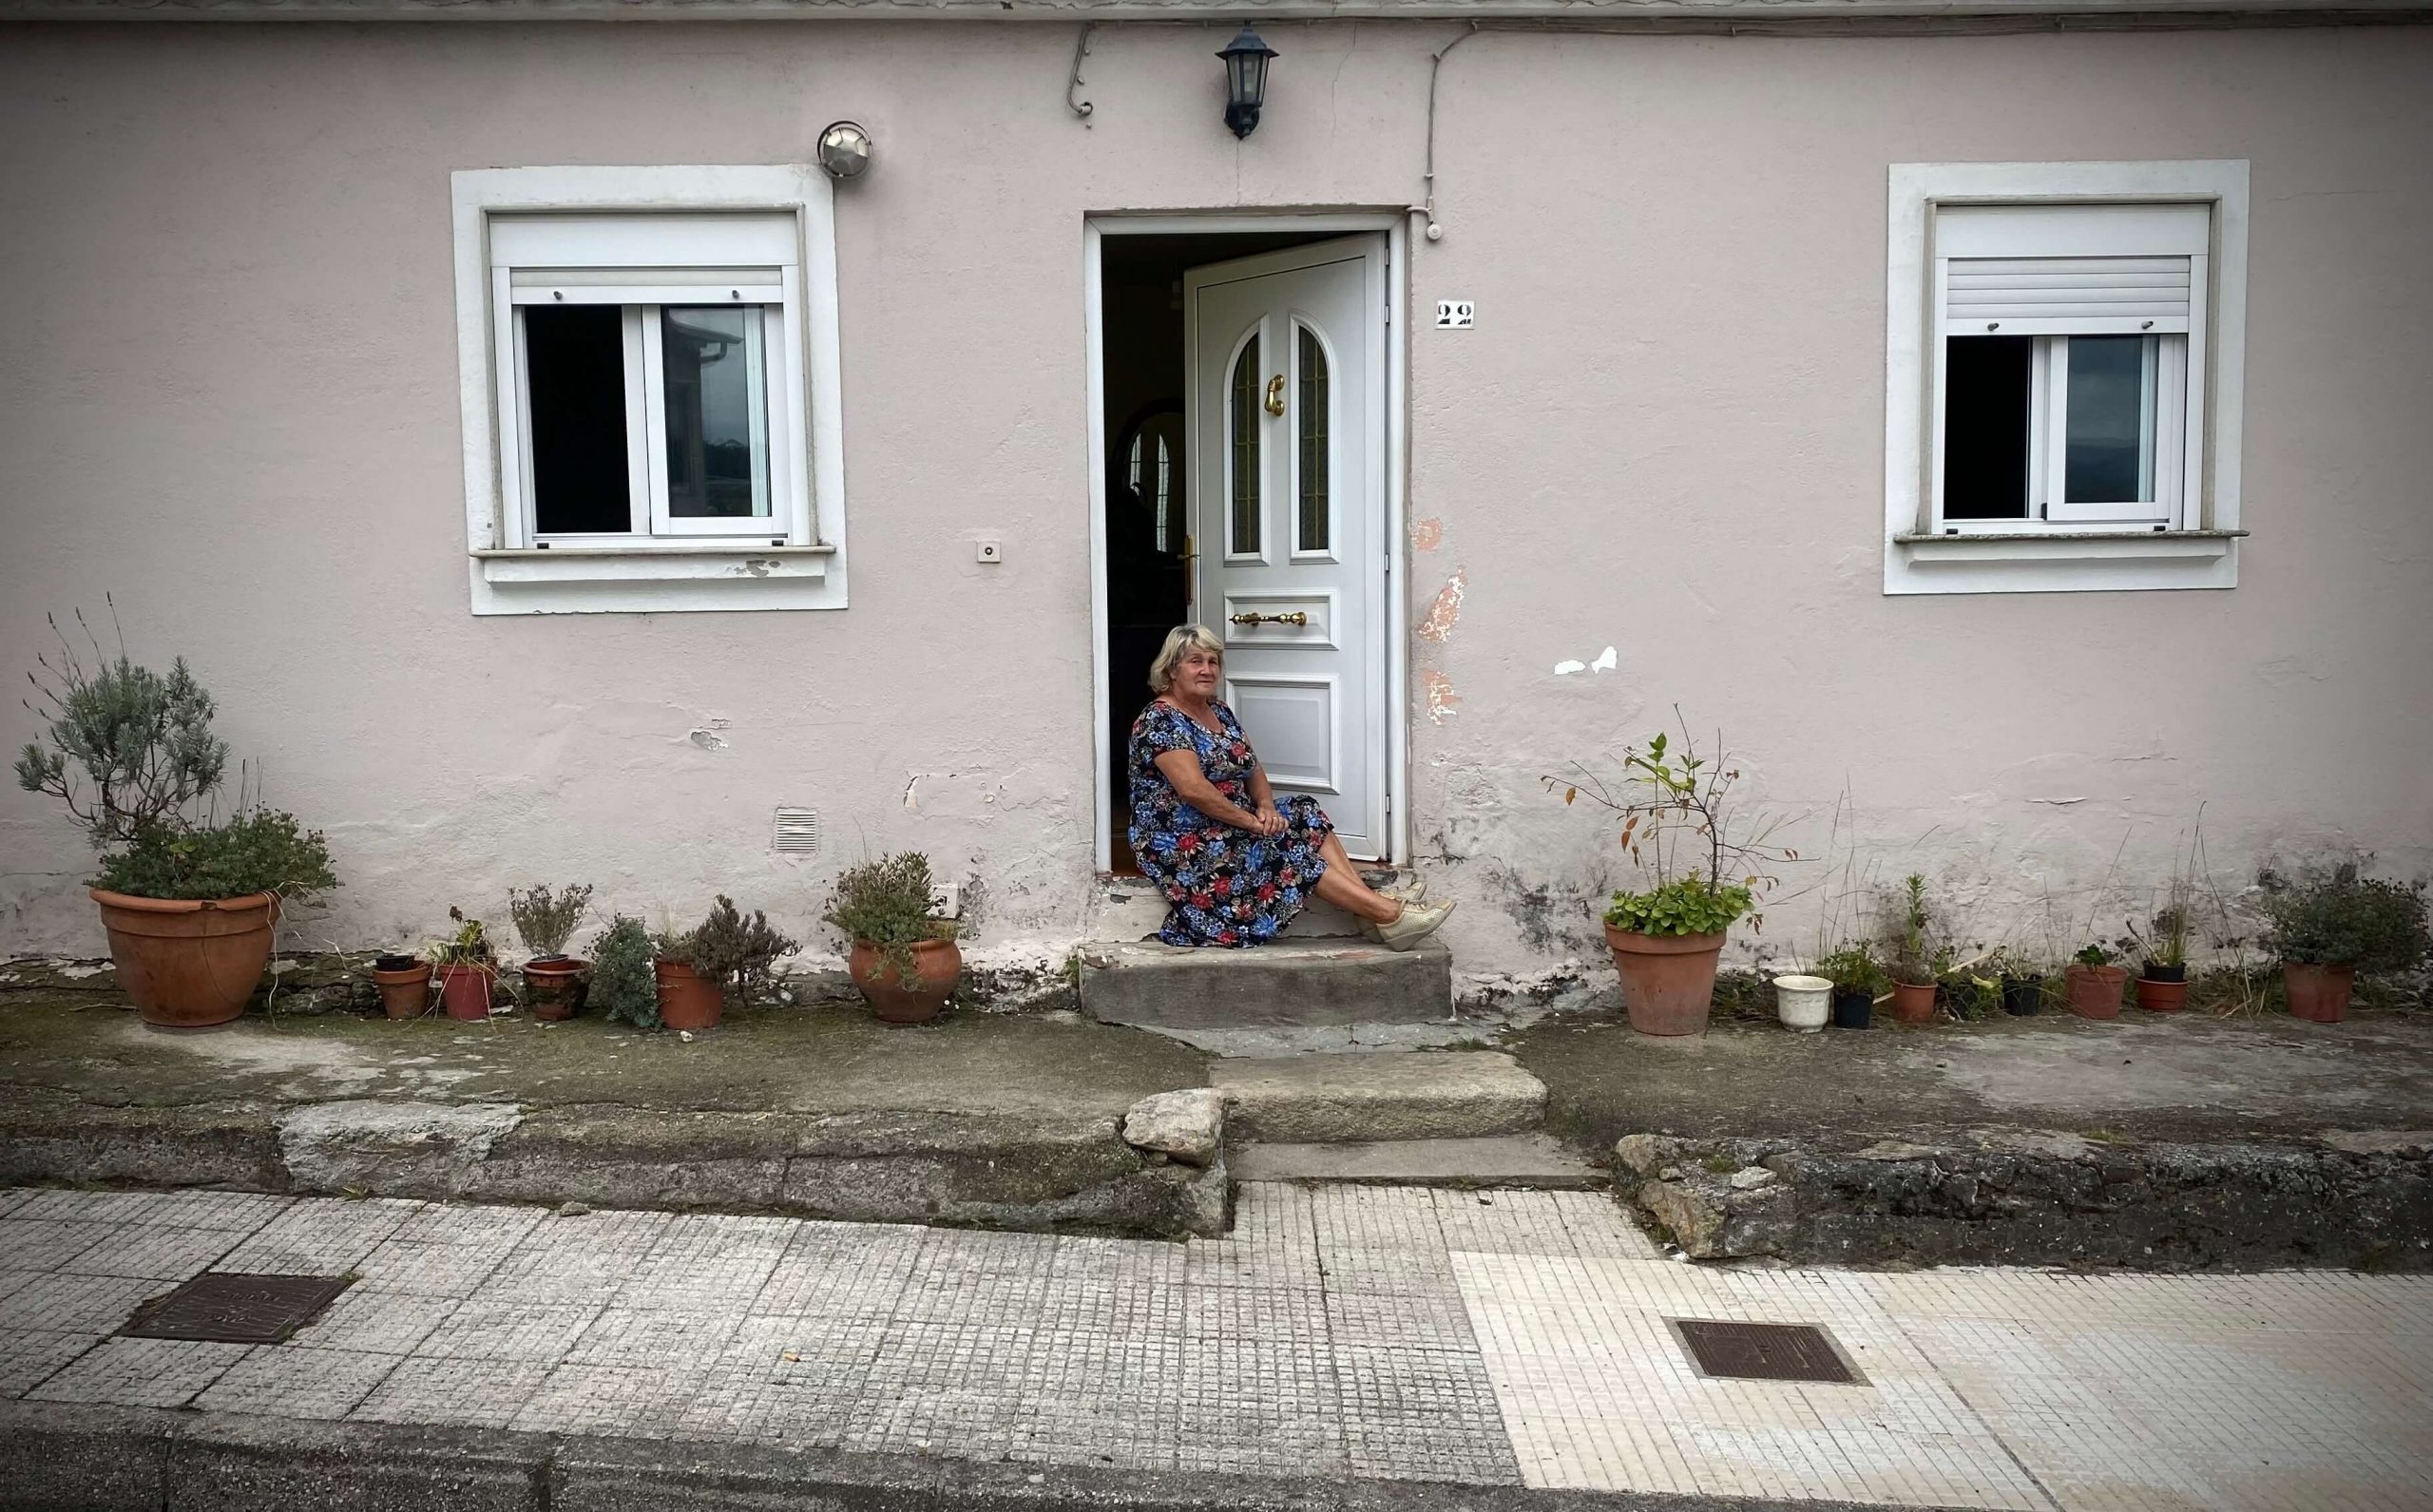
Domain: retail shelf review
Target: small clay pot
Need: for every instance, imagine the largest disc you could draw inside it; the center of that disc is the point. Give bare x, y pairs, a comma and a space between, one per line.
465, 991
554, 985
2162, 994
405, 991
2318, 993
2095, 990
188, 963
2022, 996
1853, 1007
1913, 1002
687, 1000
1668, 980
937, 966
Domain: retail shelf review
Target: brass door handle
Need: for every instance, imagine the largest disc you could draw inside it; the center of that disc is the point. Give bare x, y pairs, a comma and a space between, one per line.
1298, 616
1276, 395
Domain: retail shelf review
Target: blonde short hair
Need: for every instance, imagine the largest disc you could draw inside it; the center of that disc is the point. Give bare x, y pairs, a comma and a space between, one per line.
1182, 639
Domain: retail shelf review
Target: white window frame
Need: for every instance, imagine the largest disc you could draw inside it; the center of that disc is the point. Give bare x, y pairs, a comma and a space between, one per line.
2190, 538
795, 558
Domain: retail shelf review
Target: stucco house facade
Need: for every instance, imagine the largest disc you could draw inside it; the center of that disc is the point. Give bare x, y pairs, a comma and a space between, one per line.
2006, 425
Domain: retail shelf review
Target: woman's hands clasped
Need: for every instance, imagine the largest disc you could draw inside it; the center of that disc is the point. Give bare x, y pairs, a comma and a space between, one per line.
1270, 822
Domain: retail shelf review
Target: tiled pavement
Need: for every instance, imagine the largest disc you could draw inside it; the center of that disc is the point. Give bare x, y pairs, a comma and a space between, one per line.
1499, 1337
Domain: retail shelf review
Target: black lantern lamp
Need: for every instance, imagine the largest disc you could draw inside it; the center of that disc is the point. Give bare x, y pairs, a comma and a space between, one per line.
1245, 80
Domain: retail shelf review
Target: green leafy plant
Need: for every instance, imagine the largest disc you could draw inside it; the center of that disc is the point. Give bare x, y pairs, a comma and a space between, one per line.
622, 982
545, 920
1680, 827
2338, 918
142, 742
469, 946
732, 950
886, 903
2095, 954
1918, 956
1854, 966
259, 850
2164, 940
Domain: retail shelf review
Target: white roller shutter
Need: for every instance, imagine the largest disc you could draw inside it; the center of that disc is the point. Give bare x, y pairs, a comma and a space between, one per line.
2070, 270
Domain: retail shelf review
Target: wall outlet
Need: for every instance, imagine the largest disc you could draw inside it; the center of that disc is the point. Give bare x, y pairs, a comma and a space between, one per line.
991, 551
1455, 315
946, 899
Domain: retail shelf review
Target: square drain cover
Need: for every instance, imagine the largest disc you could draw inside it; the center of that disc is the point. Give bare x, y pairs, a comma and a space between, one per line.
1763, 1351
233, 1308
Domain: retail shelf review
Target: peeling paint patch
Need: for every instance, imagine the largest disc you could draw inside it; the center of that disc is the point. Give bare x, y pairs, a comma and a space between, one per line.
1438, 690
1446, 611
1427, 535
910, 787
1564, 669
1605, 663
2058, 803
707, 739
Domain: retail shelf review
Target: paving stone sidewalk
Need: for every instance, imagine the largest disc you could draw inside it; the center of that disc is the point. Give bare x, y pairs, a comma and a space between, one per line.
1499, 1338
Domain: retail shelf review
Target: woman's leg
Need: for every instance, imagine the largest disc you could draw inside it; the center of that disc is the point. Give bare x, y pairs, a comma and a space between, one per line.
1341, 886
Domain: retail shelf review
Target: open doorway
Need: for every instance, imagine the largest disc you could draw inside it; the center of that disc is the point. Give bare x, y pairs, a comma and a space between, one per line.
1243, 395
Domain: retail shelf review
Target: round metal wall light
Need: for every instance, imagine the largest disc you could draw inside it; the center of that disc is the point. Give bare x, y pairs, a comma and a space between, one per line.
1246, 59
845, 150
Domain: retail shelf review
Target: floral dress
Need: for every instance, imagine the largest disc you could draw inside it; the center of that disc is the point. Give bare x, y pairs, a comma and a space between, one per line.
1228, 886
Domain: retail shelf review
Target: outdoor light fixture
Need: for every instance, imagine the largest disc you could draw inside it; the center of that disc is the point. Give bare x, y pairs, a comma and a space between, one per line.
845, 149
1245, 80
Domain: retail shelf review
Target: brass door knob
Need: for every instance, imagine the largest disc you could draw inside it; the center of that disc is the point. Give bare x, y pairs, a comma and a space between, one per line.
1298, 616
1276, 395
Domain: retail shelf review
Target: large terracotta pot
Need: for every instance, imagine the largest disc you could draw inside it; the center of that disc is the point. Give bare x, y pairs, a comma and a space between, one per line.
937, 966
554, 987
1913, 1002
405, 993
2319, 993
1668, 980
2157, 995
687, 1000
188, 964
465, 991
2095, 990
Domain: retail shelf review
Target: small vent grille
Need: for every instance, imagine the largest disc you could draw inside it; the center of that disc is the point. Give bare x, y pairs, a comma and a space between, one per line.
797, 832
1763, 1351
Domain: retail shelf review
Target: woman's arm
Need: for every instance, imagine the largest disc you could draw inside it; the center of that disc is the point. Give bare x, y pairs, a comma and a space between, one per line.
1181, 769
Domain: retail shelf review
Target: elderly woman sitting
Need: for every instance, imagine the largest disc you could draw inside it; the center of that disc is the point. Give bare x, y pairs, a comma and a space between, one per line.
1207, 828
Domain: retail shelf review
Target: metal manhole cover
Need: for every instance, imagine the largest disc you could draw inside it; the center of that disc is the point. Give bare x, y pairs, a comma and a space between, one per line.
231, 1307
1763, 1351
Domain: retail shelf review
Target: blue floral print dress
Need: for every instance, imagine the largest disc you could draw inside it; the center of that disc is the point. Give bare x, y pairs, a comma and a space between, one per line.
1228, 886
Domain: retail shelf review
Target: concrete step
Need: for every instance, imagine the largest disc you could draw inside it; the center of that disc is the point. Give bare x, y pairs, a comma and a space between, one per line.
1131, 908
1288, 985
1358, 1098
1509, 1160
1333, 1038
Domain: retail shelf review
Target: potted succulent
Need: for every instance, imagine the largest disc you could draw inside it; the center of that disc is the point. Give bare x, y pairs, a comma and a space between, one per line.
1681, 829
1857, 979
2326, 928
903, 958
190, 903
622, 982
725, 952
2162, 977
1915, 967
467, 973
2093, 984
544, 920
404, 981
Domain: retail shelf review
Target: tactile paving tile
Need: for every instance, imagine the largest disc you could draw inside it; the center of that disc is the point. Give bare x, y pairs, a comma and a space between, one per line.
484, 1392
598, 1399
483, 1329
284, 1380
141, 1372
630, 1338
193, 1210
32, 1356
50, 1244
71, 1303
321, 1236
366, 1321
158, 1252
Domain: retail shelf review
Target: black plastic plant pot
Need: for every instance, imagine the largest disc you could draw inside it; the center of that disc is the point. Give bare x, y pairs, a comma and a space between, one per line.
2157, 972
549, 959
1853, 1007
395, 963
2023, 996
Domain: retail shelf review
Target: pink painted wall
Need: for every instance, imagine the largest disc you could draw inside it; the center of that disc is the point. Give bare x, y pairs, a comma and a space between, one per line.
230, 400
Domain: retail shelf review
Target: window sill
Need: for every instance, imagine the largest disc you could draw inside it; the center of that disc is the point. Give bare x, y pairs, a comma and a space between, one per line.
650, 578
2060, 561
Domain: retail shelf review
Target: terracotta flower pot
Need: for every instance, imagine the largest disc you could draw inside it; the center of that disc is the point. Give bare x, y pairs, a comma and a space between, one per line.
937, 966
465, 991
405, 993
2318, 993
187, 962
1668, 980
1913, 1002
2095, 990
554, 987
687, 1000
2155, 995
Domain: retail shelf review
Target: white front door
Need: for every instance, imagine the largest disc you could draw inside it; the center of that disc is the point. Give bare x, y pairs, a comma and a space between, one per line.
1286, 406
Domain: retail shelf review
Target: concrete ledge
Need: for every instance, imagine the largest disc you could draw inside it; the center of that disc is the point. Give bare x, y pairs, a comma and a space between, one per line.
1340, 1098
1290, 983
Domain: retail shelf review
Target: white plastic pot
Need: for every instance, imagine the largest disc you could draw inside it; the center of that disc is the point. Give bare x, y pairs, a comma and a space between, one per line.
1803, 1003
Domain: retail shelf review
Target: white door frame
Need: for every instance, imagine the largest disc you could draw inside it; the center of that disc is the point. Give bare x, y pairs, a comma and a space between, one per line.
1396, 628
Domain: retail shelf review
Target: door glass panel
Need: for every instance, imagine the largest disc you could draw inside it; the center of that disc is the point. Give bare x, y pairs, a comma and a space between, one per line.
1312, 535
1243, 398
718, 415
574, 385
2110, 442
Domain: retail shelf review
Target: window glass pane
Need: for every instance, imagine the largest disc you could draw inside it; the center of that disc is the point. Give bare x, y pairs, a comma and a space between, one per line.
2111, 444
718, 431
1315, 454
1985, 410
1243, 397
574, 383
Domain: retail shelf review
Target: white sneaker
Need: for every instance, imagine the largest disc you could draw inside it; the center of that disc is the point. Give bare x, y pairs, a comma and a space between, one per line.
1416, 923
1412, 893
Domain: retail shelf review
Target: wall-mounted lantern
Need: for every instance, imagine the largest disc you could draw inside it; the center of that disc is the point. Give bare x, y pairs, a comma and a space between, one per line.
845, 149
1245, 80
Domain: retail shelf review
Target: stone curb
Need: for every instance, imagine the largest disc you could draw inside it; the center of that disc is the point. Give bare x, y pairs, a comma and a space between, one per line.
68, 1458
